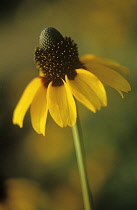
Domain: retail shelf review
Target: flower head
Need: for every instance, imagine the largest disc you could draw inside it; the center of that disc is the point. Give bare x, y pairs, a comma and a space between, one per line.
62, 75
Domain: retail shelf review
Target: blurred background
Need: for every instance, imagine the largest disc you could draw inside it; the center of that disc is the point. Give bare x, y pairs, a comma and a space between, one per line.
40, 173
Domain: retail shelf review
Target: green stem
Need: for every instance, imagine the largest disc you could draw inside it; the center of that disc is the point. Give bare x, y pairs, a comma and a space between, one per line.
79, 147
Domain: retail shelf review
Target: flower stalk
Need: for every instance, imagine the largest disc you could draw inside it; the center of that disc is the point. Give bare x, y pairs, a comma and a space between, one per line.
79, 148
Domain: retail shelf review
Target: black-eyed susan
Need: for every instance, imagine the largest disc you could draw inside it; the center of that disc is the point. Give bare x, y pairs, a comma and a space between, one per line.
62, 76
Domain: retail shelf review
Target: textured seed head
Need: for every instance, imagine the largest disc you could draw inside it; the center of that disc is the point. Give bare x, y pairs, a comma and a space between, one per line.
56, 57
49, 37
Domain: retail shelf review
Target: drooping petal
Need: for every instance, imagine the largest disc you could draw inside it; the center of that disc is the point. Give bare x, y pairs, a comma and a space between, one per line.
61, 105
87, 89
92, 59
109, 77
39, 110
25, 101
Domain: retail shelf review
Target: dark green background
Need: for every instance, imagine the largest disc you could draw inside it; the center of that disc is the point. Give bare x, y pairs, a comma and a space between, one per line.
106, 28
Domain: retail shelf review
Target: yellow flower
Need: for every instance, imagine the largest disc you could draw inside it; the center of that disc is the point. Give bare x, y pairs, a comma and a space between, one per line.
62, 76
107, 72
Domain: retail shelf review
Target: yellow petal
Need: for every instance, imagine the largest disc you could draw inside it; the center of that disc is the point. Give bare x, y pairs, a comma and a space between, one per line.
61, 105
109, 77
39, 110
87, 89
25, 101
92, 59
